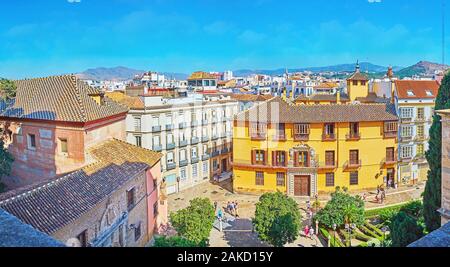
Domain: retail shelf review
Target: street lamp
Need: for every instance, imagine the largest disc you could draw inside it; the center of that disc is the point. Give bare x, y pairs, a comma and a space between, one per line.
334, 232
385, 231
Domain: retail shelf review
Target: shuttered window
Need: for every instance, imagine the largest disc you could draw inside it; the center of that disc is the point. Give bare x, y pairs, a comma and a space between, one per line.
279, 158
329, 158
354, 178
281, 179
390, 154
259, 178
330, 179
354, 157
259, 157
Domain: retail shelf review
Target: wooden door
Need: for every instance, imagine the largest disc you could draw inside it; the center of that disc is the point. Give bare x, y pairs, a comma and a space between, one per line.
302, 185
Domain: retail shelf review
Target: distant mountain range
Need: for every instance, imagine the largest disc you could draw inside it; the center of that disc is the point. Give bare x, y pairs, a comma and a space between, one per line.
365, 66
121, 74
423, 68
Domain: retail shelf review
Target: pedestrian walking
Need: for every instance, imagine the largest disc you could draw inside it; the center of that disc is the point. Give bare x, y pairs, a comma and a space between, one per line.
220, 218
306, 231
311, 233
236, 209
215, 205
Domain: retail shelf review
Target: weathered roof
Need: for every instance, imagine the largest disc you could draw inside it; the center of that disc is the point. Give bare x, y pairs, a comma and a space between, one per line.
323, 97
278, 111
58, 98
133, 102
250, 97
51, 206
201, 75
358, 76
438, 238
372, 98
418, 88
14, 233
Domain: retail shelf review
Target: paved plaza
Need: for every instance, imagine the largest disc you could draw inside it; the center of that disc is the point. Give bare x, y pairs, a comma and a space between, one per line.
240, 233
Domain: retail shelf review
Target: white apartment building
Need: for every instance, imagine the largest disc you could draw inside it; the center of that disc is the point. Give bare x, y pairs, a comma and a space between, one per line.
415, 102
193, 133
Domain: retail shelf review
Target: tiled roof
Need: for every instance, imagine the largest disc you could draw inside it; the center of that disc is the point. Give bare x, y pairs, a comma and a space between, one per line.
58, 98
327, 85
14, 233
372, 98
250, 98
358, 76
323, 97
438, 238
418, 88
56, 204
132, 102
201, 75
278, 111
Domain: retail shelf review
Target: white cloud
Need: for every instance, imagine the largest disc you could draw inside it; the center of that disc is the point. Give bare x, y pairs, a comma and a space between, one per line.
374, 1
74, 1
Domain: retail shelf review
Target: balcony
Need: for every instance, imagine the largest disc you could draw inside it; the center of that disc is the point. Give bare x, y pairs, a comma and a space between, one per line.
171, 166
156, 129
279, 137
170, 146
353, 164
204, 122
182, 125
420, 120
205, 139
184, 163
388, 135
301, 137
214, 120
214, 137
183, 143
258, 137
194, 123
327, 165
205, 157
194, 160
420, 138
195, 140
388, 162
169, 127
225, 151
328, 137
353, 137
420, 158
215, 153
405, 139
406, 120
157, 148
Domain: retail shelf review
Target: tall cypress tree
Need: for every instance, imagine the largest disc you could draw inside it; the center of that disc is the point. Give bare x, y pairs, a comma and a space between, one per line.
432, 194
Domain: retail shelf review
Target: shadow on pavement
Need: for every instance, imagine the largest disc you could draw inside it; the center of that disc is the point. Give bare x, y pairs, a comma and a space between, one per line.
240, 234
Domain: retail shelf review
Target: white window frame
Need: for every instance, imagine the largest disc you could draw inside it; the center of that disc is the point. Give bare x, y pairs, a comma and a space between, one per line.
406, 113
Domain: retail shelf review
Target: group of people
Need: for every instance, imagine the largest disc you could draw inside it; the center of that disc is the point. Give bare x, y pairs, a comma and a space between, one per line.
381, 195
231, 208
309, 232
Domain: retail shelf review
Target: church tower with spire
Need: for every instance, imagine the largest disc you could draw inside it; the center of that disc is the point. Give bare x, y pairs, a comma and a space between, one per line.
357, 84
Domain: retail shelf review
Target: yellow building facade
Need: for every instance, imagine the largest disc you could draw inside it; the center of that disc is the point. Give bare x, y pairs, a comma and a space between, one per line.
304, 150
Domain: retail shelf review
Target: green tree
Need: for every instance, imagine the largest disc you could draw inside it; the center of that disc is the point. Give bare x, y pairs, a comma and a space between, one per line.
6, 160
175, 241
341, 209
195, 222
7, 89
432, 194
404, 230
277, 219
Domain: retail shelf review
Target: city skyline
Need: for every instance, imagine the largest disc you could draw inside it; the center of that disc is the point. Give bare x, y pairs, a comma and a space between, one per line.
68, 36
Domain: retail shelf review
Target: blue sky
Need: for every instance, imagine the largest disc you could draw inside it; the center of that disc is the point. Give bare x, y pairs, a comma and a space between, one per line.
47, 37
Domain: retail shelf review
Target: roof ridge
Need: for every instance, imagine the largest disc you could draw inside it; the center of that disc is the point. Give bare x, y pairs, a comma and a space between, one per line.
45, 77
78, 96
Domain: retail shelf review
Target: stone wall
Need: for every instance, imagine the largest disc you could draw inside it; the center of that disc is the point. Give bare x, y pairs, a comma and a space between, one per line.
105, 213
445, 169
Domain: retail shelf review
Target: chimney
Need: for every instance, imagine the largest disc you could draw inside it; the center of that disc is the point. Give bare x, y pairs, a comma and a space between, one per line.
338, 97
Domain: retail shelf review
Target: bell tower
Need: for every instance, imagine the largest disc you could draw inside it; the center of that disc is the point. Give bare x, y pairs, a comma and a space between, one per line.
357, 84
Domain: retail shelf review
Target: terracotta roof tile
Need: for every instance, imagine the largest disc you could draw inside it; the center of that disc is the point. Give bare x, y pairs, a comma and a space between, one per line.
418, 88
51, 206
58, 98
278, 111
133, 102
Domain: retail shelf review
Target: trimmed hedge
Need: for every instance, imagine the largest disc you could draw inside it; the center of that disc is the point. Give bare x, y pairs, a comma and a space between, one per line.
376, 212
373, 228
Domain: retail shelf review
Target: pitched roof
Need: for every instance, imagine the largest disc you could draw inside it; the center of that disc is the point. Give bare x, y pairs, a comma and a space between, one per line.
438, 238
51, 206
372, 98
278, 111
323, 97
250, 98
358, 76
14, 233
133, 102
418, 88
58, 98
